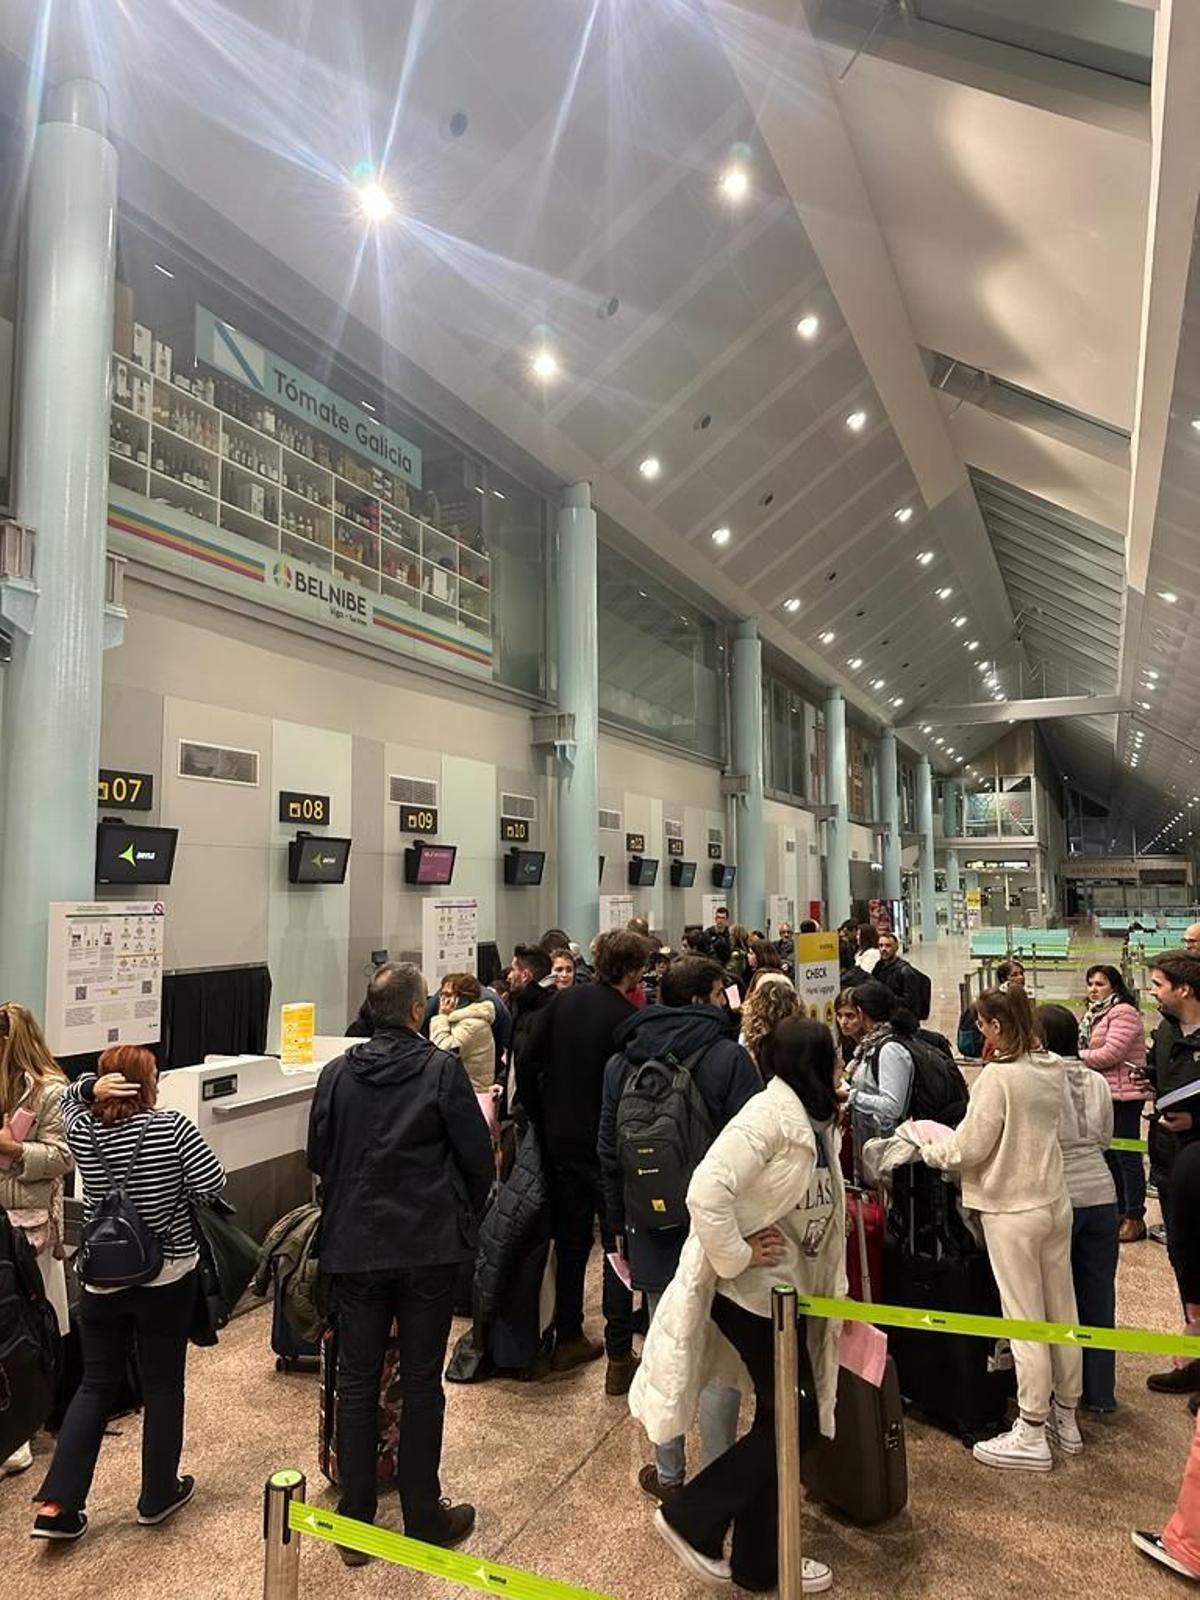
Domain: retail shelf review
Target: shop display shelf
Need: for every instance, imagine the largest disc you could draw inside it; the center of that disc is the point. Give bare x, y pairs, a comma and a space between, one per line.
261, 529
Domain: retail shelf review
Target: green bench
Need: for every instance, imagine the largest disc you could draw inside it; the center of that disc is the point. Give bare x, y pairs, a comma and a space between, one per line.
1118, 925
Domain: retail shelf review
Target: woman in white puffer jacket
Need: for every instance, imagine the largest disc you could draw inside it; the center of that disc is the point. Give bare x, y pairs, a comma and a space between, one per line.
767, 1206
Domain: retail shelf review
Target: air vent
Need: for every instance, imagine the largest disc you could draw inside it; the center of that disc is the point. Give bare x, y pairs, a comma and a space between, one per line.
717, 836
672, 829
610, 822
412, 791
523, 806
215, 763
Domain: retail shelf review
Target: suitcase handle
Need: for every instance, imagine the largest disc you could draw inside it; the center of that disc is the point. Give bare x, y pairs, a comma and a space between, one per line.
861, 1229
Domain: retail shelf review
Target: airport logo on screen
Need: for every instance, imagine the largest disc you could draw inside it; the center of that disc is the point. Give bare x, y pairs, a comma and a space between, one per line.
135, 856
344, 602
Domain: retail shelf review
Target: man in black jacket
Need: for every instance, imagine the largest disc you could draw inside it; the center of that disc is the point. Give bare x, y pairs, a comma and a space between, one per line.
1175, 1138
560, 1080
692, 1023
719, 942
405, 1164
528, 993
900, 976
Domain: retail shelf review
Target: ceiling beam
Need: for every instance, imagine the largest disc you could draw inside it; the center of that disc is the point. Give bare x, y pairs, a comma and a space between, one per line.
1076, 705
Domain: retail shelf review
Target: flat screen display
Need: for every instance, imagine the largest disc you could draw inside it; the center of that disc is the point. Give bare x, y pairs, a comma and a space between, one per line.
683, 874
524, 867
643, 872
313, 860
430, 863
134, 855
723, 876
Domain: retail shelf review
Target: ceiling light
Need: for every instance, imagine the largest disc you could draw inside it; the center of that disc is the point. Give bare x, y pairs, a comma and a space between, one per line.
939, 742
791, 605
735, 183
972, 644
959, 622
943, 594
374, 201
721, 536
982, 665
1196, 424
898, 701
1149, 688
367, 406
807, 327
827, 637
878, 683
1145, 705
1150, 672
949, 749
904, 514
500, 494
856, 421
926, 727
854, 663
166, 271
544, 365
650, 467
925, 558
1168, 595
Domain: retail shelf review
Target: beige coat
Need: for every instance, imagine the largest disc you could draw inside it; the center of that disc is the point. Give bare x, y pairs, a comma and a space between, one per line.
757, 1171
468, 1033
35, 1181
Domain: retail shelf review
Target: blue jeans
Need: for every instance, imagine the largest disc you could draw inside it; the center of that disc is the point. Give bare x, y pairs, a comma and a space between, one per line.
719, 1409
1127, 1167
1094, 1251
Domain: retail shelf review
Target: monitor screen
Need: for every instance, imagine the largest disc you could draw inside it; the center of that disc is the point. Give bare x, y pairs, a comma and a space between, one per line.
313, 860
683, 874
524, 867
723, 876
134, 855
430, 863
643, 872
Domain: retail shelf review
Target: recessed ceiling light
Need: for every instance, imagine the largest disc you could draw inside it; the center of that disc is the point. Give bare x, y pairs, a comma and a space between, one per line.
878, 683
856, 421
1149, 687
982, 665
544, 365
1168, 595
650, 467
1150, 672
367, 406
926, 727
721, 535
500, 494
374, 201
949, 749
972, 644
166, 271
808, 326
735, 183
1145, 705
944, 594
925, 558
854, 663
1196, 424
827, 637
939, 742
904, 514
791, 605
898, 700
959, 622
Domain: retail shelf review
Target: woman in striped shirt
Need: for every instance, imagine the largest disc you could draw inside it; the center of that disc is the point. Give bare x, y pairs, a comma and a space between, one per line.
105, 1117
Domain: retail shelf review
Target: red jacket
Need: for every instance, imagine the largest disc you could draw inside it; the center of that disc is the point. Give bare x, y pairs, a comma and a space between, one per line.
1118, 1043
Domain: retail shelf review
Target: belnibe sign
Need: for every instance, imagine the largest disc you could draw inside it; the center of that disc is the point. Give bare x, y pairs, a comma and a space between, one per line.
219, 344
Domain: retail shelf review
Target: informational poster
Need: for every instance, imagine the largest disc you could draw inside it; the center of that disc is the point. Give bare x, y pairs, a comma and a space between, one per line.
449, 937
103, 975
297, 1029
974, 898
817, 970
779, 911
615, 911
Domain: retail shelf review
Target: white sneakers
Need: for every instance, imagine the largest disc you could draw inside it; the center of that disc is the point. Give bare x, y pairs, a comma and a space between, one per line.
816, 1577
1027, 1447
20, 1461
1151, 1544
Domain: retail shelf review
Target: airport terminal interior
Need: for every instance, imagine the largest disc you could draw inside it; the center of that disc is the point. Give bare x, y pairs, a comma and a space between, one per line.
665, 481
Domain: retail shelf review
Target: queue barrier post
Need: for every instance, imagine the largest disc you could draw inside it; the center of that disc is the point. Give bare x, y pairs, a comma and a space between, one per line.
787, 1439
281, 1543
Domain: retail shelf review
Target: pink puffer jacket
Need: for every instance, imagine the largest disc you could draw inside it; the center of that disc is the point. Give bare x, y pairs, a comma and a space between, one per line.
1118, 1043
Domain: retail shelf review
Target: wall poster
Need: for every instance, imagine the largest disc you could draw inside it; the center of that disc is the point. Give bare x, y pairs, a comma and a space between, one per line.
449, 935
103, 975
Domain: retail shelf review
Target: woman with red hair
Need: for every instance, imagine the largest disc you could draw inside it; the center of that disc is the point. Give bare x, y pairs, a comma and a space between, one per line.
119, 1137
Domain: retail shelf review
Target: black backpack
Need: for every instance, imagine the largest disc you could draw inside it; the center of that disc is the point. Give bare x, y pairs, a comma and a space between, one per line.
117, 1250
663, 1132
939, 1090
30, 1346
922, 993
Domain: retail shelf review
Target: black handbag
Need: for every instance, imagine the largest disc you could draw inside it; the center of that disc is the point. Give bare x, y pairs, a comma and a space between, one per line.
228, 1258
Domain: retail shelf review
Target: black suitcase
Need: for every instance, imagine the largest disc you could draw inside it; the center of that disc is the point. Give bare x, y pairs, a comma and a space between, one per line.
951, 1378
292, 1354
863, 1471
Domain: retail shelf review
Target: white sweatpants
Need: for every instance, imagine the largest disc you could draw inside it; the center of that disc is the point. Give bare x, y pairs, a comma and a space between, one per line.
1030, 1252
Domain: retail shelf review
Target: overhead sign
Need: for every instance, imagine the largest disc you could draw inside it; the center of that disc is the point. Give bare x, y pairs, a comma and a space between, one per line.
311, 808
219, 344
103, 975
514, 830
418, 819
635, 844
715, 852
674, 847
132, 791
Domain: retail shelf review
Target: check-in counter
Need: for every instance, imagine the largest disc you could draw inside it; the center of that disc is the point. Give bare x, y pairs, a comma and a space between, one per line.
253, 1112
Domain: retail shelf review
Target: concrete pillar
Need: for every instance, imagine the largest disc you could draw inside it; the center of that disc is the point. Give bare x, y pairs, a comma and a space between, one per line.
953, 875
889, 814
950, 823
748, 760
53, 687
925, 861
837, 829
578, 693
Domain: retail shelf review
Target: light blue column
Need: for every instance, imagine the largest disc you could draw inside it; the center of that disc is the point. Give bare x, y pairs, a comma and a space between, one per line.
578, 693
950, 823
748, 760
889, 808
837, 829
925, 863
53, 688
953, 875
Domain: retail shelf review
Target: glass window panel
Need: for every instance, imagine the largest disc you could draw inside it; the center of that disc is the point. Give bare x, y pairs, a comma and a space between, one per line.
1106, 35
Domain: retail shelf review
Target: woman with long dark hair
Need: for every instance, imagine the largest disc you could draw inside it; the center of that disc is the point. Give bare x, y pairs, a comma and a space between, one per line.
767, 1206
1007, 1153
1112, 1041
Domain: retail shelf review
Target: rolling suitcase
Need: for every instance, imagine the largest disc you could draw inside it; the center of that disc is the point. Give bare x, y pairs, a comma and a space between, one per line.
389, 1410
954, 1380
863, 1471
292, 1353
865, 1214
